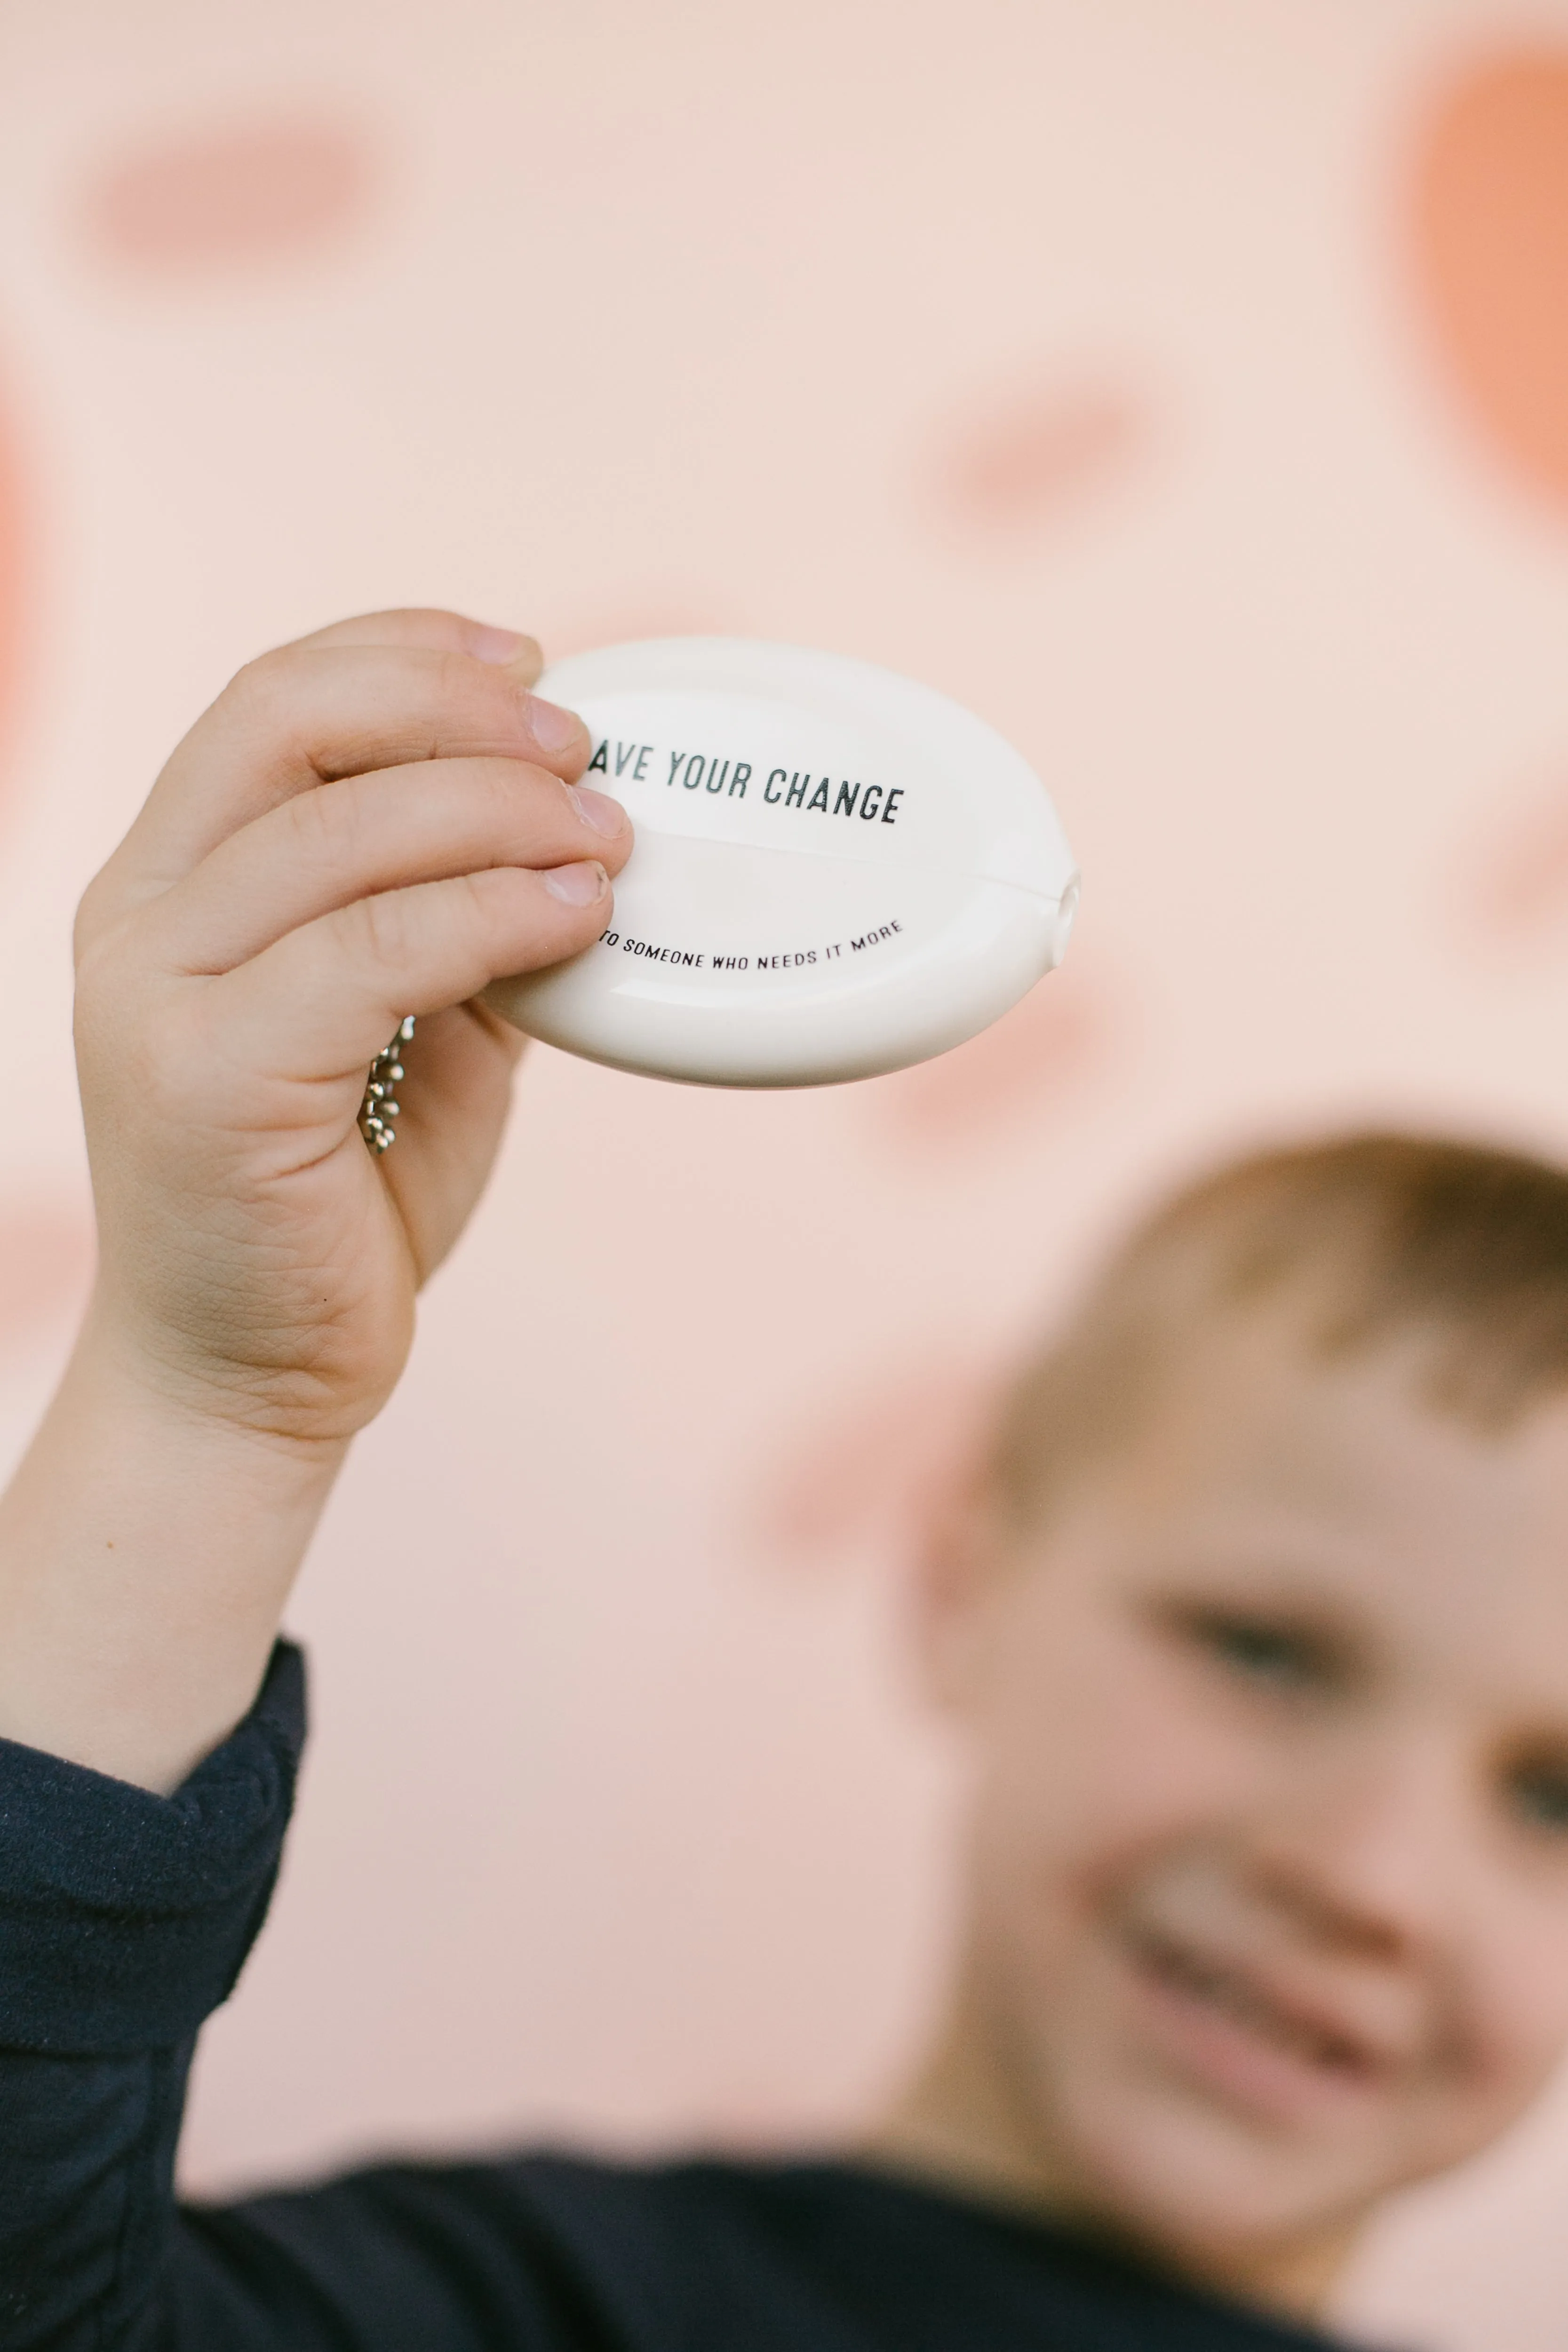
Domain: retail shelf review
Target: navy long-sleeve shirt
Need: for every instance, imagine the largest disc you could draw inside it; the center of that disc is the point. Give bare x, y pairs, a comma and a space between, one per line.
124, 1919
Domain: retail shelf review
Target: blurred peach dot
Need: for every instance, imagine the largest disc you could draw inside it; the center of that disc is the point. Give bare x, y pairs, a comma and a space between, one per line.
46, 1265
867, 1475
209, 201
1022, 1068
1491, 217
1024, 462
1518, 884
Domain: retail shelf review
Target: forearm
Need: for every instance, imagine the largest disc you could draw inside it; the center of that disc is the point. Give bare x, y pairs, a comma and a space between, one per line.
146, 1553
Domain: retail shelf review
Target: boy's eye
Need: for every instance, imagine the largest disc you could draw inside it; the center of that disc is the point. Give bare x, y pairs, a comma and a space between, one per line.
1538, 1792
1261, 1650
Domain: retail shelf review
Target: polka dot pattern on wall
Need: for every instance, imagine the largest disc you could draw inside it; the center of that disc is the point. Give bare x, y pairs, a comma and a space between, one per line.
1019, 1071
1028, 460
1517, 882
202, 203
866, 1476
1491, 224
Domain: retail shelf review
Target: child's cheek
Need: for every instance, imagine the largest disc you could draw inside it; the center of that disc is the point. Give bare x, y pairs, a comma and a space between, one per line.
1105, 1741
1517, 1963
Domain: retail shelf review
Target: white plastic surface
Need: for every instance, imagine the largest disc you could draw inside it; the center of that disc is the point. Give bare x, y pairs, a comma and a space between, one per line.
838, 872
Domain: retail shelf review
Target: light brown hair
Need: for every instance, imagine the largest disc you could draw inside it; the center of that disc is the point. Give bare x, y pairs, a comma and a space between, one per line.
1370, 1237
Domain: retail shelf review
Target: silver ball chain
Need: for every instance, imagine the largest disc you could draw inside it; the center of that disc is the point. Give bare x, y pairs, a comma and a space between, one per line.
380, 1107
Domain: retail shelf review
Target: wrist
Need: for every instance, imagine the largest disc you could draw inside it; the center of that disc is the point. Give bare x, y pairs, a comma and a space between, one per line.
124, 1376
232, 1363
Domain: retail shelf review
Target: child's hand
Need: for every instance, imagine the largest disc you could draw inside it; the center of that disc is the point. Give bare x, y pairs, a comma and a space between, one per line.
372, 823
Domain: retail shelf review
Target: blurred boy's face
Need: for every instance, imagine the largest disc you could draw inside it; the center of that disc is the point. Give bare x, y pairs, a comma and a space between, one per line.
1269, 1867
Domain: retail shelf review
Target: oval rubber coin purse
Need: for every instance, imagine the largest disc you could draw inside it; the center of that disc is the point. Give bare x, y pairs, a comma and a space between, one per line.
836, 872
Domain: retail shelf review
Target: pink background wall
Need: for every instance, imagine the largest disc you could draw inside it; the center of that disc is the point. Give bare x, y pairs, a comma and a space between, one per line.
1182, 382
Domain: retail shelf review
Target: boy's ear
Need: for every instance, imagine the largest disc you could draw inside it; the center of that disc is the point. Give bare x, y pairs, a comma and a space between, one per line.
961, 1557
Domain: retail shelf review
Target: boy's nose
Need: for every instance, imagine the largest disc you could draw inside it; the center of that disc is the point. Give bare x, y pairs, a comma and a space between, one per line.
1379, 1858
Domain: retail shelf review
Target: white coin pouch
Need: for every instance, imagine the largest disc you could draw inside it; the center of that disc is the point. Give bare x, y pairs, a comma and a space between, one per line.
838, 872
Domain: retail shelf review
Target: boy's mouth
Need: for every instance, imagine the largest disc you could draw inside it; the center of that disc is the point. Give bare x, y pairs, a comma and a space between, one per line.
1248, 2037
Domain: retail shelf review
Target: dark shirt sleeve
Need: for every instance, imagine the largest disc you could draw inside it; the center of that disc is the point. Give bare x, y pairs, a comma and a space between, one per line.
124, 1918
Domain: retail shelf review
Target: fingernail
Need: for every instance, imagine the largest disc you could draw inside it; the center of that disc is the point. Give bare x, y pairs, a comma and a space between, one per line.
489, 644
552, 727
578, 885
597, 809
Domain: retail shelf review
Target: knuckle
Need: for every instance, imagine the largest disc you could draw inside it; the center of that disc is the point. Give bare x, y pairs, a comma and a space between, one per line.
108, 966
488, 905
472, 902
96, 980
326, 827
261, 673
464, 695
90, 913
491, 893
260, 697
380, 930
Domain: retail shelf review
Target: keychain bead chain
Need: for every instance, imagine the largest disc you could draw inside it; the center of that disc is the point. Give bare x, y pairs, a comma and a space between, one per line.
378, 1112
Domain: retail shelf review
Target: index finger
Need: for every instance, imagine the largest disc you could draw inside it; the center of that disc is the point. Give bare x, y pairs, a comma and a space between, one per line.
313, 711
